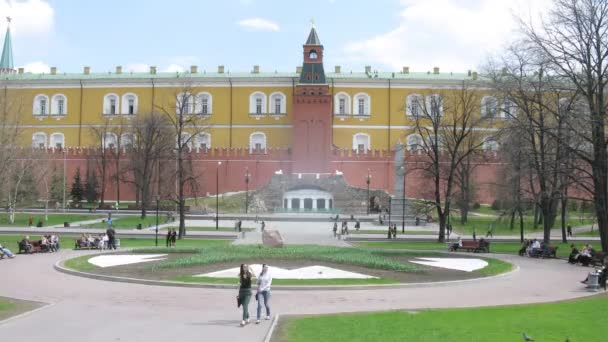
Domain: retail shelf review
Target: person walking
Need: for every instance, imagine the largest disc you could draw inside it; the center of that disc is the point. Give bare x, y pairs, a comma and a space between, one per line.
264, 281
357, 225
111, 237
173, 237
335, 229
490, 232
569, 230
244, 297
168, 237
263, 226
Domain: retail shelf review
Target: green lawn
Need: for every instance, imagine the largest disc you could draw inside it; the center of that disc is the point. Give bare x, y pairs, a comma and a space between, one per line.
222, 229
594, 233
228, 204
21, 220
304, 282
384, 232
499, 247
10, 307
130, 222
502, 225
580, 320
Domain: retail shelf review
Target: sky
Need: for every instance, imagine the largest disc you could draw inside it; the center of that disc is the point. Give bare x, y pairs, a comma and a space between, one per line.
455, 35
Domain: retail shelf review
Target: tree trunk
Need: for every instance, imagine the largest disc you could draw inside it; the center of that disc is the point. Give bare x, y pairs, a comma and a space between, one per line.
521, 226
563, 219
512, 220
442, 223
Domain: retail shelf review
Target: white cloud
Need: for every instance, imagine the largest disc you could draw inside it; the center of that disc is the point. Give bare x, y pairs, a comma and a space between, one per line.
450, 34
36, 67
137, 67
259, 24
174, 68
29, 17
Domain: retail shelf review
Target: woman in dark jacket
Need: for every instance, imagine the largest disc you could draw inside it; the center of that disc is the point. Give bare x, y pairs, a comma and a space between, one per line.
245, 276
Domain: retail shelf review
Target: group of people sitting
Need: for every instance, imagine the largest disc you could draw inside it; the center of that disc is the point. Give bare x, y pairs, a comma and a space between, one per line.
89, 241
584, 256
535, 248
47, 243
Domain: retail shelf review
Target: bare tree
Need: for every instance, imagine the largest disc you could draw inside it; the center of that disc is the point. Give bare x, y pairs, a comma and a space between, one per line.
185, 117
447, 127
106, 144
10, 130
574, 42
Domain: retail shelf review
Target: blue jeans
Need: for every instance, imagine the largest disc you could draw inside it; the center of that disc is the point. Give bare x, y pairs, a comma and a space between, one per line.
266, 296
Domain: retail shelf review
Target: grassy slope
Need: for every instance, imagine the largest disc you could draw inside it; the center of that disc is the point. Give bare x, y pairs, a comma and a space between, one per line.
21, 220
581, 320
502, 225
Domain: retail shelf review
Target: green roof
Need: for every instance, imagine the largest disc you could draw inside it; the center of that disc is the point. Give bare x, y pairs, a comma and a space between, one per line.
6, 62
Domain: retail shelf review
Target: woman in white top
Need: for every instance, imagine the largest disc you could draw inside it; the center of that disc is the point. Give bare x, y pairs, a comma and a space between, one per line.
264, 281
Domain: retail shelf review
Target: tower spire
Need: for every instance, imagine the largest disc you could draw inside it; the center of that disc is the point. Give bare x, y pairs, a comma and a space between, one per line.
6, 62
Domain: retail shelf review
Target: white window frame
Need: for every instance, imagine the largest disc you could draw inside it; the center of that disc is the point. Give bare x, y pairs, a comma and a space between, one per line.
283, 103
409, 105
187, 108
253, 140
199, 105
127, 139
36, 110
342, 96
509, 112
366, 142
367, 104
430, 102
490, 144
55, 101
110, 140
57, 136
185, 137
107, 100
418, 146
487, 102
42, 136
253, 99
125, 103
203, 138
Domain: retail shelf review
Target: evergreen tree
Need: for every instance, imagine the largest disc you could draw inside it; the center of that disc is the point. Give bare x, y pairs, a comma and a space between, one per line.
91, 193
77, 192
56, 190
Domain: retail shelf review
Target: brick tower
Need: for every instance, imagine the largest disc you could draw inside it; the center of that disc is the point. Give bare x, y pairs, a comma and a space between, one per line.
312, 128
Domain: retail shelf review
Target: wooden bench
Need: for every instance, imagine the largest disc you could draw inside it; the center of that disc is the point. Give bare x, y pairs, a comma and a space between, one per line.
471, 246
82, 244
598, 259
36, 247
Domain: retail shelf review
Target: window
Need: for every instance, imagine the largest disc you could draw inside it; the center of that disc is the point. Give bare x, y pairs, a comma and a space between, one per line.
186, 141
278, 101
362, 102
489, 107
413, 105
129, 104
110, 104
39, 140
41, 105
204, 103
257, 103
109, 140
509, 109
414, 142
361, 142
203, 141
57, 140
58, 105
127, 140
184, 104
257, 142
342, 104
490, 144
434, 104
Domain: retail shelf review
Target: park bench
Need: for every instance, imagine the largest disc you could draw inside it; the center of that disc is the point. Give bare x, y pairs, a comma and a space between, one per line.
83, 244
36, 247
550, 253
598, 259
472, 246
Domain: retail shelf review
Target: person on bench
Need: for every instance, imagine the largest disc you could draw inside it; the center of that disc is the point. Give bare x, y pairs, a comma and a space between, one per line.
574, 253
535, 248
456, 245
524, 248
586, 255
25, 245
5, 251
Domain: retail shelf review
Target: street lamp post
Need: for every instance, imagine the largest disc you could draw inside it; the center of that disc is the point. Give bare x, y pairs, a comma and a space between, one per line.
217, 196
368, 180
403, 202
247, 175
156, 237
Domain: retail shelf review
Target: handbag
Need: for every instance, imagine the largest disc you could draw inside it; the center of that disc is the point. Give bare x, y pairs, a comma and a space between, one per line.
238, 301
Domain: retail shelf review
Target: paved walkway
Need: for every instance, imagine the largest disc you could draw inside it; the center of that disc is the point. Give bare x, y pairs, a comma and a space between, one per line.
132, 312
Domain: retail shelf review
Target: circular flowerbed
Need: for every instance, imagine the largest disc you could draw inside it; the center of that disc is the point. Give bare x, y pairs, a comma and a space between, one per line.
294, 265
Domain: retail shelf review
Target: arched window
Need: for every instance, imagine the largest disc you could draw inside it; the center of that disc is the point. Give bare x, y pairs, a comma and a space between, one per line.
434, 105
111, 104
313, 54
278, 103
489, 107
186, 141
59, 105
127, 140
490, 144
39, 140
509, 109
57, 140
129, 104
257, 103
361, 142
257, 142
414, 142
202, 141
204, 104
41, 105
413, 105
184, 104
342, 104
362, 104
109, 140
